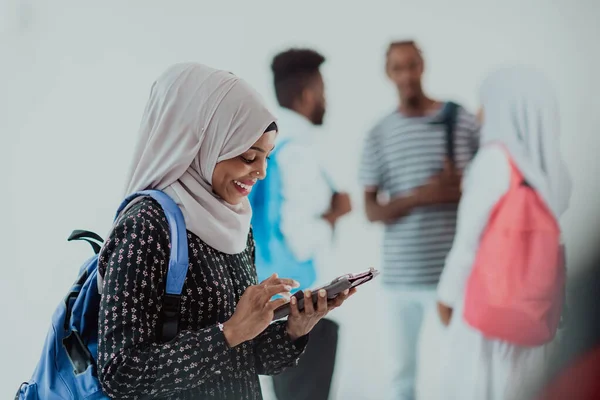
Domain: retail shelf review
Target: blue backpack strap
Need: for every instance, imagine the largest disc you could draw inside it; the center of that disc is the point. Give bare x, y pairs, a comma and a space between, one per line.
178, 260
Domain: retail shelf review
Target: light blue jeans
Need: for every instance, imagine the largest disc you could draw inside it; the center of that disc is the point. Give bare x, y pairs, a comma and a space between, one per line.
408, 309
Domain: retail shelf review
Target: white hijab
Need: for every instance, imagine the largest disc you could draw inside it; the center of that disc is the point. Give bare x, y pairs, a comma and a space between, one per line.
520, 110
197, 116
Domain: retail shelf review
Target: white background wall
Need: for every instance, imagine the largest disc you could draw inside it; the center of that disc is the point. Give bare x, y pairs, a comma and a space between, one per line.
75, 75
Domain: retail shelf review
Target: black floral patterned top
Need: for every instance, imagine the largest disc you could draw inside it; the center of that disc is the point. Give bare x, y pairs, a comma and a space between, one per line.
196, 364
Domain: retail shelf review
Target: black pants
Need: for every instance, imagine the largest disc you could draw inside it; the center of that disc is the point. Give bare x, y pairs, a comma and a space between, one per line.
311, 379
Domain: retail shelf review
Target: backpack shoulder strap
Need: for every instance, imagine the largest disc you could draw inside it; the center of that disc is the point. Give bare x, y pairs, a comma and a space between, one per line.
92, 238
178, 260
516, 176
451, 116
448, 117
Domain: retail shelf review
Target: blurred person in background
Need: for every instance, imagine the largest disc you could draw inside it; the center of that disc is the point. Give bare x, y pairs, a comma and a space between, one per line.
296, 211
405, 159
520, 126
204, 141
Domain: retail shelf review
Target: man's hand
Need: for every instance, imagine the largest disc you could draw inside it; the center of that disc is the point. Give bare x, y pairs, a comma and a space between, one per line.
340, 206
391, 211
450, 175
445, 313
436, 192
443, 188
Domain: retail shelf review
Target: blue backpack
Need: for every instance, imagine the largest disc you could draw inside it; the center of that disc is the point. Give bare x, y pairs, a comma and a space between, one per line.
67, 367
272, 253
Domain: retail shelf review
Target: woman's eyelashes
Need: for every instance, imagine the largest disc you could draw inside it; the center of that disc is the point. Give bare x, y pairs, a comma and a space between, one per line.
251, 159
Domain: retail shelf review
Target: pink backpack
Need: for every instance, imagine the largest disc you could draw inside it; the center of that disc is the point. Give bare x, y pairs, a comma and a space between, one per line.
516, 288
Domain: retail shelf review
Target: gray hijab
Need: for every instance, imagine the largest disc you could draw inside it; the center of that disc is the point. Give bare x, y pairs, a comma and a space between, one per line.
521, 111
197, 116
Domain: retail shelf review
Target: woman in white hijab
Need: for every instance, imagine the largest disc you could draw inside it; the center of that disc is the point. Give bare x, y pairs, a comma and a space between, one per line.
204, 140
519, 110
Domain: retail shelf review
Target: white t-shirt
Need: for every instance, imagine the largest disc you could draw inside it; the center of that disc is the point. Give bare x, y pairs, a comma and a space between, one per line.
307, 191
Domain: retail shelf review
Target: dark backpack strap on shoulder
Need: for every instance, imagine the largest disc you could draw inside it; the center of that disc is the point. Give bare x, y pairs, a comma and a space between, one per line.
92, 238
450, 118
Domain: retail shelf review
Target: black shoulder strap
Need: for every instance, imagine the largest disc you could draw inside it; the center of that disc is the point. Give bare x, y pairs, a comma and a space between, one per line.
450, 117
90, 237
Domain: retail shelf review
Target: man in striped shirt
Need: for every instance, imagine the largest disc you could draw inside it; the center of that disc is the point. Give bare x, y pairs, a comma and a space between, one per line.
405, 159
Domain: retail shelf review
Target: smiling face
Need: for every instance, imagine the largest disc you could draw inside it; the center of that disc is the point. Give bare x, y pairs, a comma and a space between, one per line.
233, 179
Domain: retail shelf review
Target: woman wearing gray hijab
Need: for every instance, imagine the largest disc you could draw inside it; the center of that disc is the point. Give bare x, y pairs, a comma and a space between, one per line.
204, 141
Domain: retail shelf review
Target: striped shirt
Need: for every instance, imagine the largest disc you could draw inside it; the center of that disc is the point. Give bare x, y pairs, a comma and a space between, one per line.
400, 154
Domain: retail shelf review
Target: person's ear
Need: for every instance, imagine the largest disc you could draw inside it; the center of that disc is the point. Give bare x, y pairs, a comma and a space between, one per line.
307, 98
387, 69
